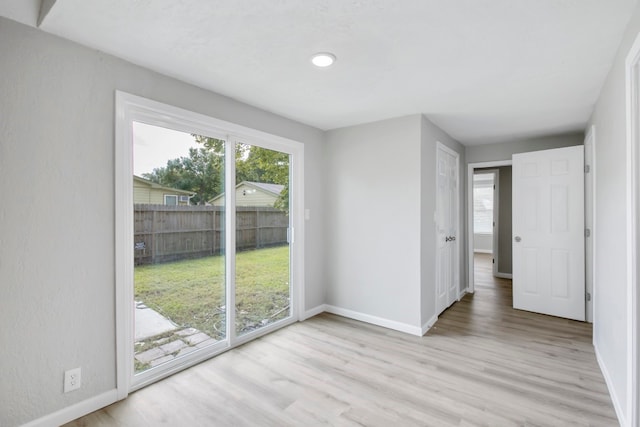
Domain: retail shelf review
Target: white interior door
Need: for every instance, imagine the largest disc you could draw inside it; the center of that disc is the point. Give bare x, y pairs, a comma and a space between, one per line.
447, 277
548, 231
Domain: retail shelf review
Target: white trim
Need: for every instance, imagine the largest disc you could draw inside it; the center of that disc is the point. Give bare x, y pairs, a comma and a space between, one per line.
612, 391
496, 221
170, 195
374, 320
503, 275
131, 108
124, 241
75, 411
313, 312
463, 293
470, 168
402, 327
590, 309
230, 238
429, 324
632, 71
496, 218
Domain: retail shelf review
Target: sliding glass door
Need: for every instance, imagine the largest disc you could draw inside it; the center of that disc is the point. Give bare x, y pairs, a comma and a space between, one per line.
187, 288
262, 267
179, 244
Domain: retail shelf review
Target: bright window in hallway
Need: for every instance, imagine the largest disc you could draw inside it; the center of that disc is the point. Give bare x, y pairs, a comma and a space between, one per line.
483, 203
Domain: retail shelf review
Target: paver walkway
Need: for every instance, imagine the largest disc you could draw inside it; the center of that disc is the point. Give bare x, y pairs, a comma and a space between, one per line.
149, 323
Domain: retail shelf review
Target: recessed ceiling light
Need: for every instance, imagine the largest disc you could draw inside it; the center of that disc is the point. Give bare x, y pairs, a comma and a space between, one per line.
323, 59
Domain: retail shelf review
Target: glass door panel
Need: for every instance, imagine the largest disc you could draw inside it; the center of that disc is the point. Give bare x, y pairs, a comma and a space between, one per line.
179, 249
262, 282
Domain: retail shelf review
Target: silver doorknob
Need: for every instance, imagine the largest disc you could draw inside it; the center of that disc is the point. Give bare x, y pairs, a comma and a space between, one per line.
517, 238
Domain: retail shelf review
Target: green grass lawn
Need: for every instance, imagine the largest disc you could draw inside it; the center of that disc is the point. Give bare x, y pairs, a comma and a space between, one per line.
192, 292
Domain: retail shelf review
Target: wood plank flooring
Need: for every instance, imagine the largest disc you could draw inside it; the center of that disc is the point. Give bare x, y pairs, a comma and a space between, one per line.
482, 364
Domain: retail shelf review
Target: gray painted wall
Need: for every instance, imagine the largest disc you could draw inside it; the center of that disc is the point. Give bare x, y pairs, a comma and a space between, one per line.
373, 218
504, 151
610, 282
57, 233
482, 242
504, 223
380, 208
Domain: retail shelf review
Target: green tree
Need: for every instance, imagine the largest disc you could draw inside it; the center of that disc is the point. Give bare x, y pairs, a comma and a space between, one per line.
203, 170
200, 172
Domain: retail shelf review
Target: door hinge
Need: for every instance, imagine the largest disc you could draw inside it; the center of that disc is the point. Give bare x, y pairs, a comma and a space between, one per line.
587, 232
493, 261
494, 186
588, 296
587, 168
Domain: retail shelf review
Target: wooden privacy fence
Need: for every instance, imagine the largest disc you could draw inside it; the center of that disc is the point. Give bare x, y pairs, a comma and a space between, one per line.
170, 233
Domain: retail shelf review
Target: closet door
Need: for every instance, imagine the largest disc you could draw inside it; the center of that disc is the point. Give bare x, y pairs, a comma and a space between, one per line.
447, 253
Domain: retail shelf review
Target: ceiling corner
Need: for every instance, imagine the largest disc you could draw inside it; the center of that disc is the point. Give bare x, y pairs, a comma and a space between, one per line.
45, 8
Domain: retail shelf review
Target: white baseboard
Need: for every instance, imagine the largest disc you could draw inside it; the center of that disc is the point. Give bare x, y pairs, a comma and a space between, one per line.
75, 411
483, 251
374, 320
504, 275
463, 293
429, 324
314, 312
612, 391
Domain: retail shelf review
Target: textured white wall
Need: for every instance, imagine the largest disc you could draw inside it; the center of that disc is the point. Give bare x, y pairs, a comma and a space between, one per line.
610, 282
373, 219
57, 233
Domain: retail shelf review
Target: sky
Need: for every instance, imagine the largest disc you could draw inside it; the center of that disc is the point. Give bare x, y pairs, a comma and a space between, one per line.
153, 146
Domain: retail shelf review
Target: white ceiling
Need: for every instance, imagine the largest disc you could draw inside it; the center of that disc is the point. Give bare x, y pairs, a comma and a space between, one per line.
483, 70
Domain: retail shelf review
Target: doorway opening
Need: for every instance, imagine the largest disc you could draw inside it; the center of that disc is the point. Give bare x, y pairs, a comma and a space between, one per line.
489, 220
485, 213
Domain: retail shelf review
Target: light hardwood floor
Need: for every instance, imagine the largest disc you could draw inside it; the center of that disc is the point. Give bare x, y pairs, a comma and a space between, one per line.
482, 364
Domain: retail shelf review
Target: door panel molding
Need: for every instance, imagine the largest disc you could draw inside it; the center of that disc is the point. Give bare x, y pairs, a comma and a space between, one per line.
548, 228
447, 227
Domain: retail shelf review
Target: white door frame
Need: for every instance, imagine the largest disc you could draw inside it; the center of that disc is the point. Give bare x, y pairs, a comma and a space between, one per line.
495, 249
590, 182
470, 169
495, 218
632, 69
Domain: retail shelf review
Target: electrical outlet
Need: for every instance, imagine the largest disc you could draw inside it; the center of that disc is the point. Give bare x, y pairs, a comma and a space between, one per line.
72, 379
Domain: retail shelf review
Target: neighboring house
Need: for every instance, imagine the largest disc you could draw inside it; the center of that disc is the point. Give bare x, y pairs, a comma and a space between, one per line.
253, 194
151, 193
